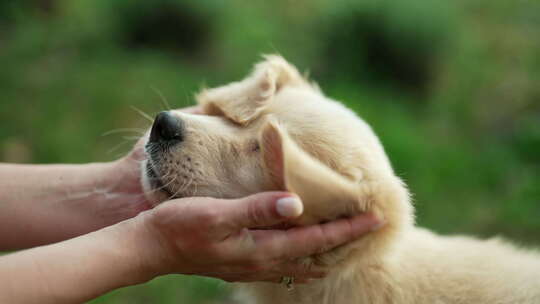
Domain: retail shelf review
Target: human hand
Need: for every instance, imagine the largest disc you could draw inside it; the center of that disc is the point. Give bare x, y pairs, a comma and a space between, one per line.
223, 238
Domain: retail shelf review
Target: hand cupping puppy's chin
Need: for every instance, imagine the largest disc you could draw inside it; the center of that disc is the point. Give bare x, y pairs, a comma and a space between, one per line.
151, 187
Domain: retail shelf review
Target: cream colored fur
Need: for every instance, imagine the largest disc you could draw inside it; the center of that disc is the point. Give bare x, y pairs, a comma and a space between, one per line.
276, 131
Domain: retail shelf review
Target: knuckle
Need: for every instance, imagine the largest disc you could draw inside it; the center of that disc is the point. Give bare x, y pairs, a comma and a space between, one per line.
275, 251
304, 267
210, 217
323, 248
320, 241
329, 240
256, 213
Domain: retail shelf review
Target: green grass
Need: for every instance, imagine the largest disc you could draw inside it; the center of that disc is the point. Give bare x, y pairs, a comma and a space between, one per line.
170, 289
465, 136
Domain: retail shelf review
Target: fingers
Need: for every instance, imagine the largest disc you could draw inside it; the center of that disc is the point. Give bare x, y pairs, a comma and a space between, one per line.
257, 278
278, 279
296, 280
306, 241
300, 271
263, 210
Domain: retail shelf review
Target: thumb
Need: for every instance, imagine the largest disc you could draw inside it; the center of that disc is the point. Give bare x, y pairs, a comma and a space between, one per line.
264, 209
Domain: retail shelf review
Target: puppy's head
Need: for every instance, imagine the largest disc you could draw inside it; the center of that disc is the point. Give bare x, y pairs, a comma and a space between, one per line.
274, 131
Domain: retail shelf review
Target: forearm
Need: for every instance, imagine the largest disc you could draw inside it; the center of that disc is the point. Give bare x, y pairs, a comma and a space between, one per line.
76, 270
41, 204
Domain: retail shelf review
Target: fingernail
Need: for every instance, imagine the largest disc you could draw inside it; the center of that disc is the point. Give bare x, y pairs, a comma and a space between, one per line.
289, 206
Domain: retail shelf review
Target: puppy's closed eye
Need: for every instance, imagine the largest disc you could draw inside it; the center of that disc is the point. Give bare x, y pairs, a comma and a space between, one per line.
254, 146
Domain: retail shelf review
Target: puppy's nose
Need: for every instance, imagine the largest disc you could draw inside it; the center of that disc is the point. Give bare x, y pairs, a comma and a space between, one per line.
167, 127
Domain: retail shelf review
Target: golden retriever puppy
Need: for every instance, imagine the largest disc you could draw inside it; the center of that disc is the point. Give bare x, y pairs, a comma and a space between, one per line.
275, 130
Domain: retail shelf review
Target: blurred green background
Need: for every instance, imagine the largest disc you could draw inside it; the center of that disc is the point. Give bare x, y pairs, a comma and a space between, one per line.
451, 87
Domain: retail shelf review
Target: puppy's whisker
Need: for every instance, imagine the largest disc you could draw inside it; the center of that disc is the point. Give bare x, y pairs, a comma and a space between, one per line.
117, 146
175, 193
142, 113
185, 185
119, 155
190, 181
162, 98
152, 148
132, 138
187, 95
124, 130
164, 177
139, 161
163, 186
196, 189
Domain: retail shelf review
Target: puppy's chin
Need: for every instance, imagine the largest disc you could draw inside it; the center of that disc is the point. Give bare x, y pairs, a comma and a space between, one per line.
154, 196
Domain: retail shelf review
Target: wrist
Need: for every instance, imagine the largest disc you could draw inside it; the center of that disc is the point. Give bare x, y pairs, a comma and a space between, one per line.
113, 257
143, 247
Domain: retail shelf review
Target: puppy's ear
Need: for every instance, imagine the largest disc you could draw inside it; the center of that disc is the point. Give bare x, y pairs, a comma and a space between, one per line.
326, 194
243, 101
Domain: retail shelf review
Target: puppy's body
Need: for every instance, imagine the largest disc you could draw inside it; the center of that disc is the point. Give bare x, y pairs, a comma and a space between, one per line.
425, 269
276, 131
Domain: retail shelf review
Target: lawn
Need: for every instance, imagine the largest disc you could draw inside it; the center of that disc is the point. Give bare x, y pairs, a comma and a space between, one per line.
451, 87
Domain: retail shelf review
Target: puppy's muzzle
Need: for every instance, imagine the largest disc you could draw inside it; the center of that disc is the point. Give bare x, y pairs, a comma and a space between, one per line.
167, 128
